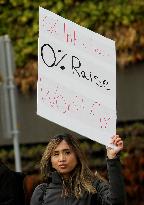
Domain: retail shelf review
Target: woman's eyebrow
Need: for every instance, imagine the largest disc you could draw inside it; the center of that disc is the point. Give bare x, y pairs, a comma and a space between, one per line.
64, 150
55, 151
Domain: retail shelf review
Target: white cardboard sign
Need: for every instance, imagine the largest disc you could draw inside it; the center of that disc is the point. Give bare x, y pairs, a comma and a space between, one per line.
76, 78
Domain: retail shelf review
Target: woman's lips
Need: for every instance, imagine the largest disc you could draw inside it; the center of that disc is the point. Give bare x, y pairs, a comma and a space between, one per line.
62, 166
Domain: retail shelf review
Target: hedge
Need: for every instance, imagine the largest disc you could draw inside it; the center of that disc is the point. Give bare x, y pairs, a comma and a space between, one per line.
120, 20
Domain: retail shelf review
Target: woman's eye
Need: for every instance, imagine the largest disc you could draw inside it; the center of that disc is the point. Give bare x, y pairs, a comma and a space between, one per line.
55, 154
67, 152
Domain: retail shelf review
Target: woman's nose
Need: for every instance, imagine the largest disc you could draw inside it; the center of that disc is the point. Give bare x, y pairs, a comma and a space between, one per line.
62, 157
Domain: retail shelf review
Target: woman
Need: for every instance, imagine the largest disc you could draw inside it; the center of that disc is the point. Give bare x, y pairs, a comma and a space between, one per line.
68, 180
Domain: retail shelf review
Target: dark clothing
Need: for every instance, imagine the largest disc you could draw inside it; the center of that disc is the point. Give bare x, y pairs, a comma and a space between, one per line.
111, 193
11, 187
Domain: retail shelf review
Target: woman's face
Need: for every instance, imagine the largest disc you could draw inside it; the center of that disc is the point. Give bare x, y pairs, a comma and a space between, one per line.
63, 159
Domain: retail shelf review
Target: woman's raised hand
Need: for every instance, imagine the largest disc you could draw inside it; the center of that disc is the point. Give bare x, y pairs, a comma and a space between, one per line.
118, 146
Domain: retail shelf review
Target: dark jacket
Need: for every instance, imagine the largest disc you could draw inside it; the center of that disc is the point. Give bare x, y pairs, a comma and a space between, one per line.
11, 187
111, 193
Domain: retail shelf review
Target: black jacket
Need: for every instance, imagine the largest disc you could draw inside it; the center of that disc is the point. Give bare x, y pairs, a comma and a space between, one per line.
11, 187
111, 193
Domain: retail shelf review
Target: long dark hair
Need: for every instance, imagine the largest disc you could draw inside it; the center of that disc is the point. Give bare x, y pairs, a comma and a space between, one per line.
83, 177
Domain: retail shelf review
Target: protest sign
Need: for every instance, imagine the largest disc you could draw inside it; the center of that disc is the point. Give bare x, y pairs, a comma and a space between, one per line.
76, 78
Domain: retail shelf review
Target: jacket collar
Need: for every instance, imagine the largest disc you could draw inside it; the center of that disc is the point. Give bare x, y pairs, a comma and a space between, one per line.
56, 178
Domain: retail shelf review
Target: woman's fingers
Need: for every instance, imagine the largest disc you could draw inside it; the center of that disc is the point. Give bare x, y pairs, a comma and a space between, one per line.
117, 141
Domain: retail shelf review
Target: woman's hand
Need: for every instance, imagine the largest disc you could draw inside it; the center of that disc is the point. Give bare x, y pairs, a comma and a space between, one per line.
118, 146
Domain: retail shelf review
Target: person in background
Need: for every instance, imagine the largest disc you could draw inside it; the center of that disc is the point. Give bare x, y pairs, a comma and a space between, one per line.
11, 186
68, 179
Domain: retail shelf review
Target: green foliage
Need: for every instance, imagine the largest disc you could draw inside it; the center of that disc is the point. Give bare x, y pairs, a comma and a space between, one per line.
19, 19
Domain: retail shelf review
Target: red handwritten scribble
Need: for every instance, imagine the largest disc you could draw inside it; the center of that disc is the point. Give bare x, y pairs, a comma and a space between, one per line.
74, 37
50, 25
64, 28
44, 21
52, 28
56, 99
62, 104
77, 104
98, 51
95, 106
69, 37
104, 122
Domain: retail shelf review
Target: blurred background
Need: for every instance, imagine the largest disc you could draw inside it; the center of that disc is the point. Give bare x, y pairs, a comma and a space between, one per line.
23, 134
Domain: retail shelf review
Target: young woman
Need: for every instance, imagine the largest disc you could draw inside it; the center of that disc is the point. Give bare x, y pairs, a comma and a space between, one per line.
69, 181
